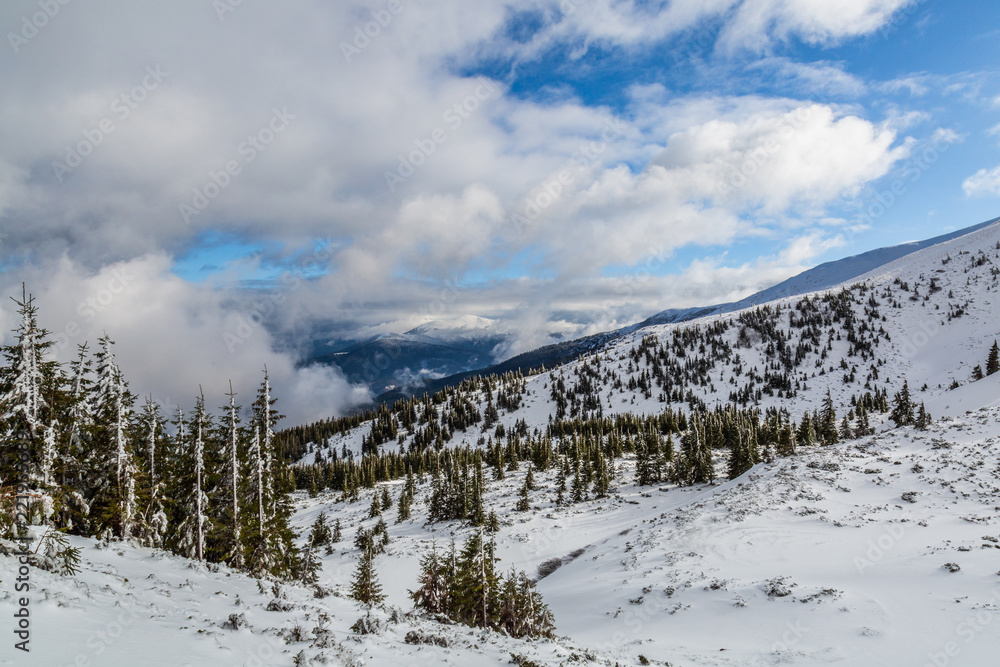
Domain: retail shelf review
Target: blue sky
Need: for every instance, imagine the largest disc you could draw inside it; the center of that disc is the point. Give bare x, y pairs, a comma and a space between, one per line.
330, 171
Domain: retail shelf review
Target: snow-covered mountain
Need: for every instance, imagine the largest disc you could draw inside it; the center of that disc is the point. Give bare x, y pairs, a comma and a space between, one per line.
879, 549
404, 362
820, 278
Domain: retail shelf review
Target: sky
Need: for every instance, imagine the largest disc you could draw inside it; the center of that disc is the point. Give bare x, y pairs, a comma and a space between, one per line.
220, 184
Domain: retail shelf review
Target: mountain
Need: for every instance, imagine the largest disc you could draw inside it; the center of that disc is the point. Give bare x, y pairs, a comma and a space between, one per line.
873, 543
399, 362
822, 277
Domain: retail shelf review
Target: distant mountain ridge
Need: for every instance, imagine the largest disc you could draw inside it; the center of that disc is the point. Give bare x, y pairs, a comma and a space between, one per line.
821, 277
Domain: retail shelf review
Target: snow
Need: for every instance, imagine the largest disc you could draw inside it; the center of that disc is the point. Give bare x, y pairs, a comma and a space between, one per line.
875, 551
836, 555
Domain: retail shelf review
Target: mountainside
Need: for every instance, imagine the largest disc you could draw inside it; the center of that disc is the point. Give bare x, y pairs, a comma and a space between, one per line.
402, 362
928, 317
822, 277
809, 481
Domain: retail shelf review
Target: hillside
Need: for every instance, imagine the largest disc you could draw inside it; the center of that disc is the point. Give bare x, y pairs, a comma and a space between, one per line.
927, 317
731, 490
823, 277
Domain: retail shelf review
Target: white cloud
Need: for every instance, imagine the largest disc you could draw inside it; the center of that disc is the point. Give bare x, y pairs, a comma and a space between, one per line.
812, 78
662, 180
172, 336
759, 22
984, 183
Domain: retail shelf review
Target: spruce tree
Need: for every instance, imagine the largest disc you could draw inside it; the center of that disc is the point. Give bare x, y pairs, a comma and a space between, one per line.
117, 504
993, 361
476, 588
433, 593
902, 411
403, 507
375, 509
193, 530
366, 588
828, 421
234, 465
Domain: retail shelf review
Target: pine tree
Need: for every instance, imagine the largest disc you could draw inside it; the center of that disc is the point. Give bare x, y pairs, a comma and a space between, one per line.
309, 567
265, 417
25, 377
993, 361
923, 418
476, 589
194, 529
828, 421
902, 411
806, 434
234, 536
366, 588
386, 498
375, 510
403, 507
529, 477
521, 612
319, 533
112, 410
523, 502
433, 594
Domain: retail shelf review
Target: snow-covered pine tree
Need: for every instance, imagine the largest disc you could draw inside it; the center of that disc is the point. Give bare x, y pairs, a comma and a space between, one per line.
365, 588
902, 411
828, 421
523, 502
27, 375
193, 530
234, 467
403, 507
433, 593
112, 401
266, 416
476, 589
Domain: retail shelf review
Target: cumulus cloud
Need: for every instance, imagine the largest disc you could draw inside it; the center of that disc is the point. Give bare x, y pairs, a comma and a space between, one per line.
985, 183
441, 191
758, 23
172, 336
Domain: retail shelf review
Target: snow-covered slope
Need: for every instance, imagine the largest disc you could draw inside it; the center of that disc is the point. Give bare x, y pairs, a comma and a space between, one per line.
881, 550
